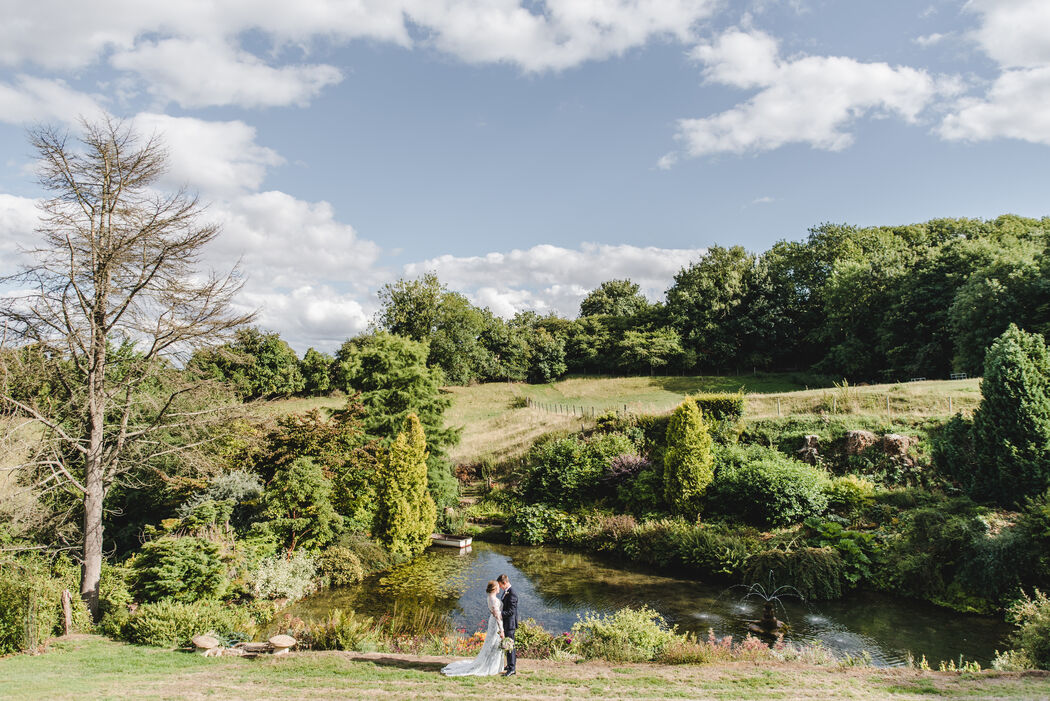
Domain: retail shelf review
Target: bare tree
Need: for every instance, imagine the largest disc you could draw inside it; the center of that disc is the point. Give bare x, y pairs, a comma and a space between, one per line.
113, 296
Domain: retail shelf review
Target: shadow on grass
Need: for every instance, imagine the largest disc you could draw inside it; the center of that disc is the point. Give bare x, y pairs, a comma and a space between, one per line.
418, 665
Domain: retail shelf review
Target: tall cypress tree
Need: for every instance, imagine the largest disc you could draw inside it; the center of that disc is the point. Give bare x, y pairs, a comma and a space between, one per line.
406, 514
1012, 423
688, 461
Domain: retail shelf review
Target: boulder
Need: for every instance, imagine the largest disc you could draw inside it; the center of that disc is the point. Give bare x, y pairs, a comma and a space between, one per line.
282, 643
859, 441
896, 446
206, 645
810, 450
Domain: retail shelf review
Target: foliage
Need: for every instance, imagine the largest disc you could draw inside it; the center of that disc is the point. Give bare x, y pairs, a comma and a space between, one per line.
1031, 614
546, 357
533, 642
614, 298
178, 568
173, 623
954, 453
257, 364
340, 566
723, 414
764, 488
241, 491
535, 524
316, 368
628, 635
340, 630
285, 577
1012, 424
30, 601
688, 462
298, 506
857, 548
816, 573
405, 513
642, 493
849, 494
569, 471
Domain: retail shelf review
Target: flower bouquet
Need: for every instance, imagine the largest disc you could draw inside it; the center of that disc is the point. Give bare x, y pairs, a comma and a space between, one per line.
507, 645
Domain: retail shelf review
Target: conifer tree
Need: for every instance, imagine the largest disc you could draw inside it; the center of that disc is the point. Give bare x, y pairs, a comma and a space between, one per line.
1012, 423
688, 461
406, 514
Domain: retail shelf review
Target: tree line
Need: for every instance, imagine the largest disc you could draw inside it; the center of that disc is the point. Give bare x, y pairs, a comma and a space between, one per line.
866, 304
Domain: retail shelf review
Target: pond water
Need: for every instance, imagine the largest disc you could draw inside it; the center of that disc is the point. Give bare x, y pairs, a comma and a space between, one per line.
556, 586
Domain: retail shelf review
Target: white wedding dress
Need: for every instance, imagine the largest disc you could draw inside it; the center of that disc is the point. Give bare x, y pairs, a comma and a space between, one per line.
490, 660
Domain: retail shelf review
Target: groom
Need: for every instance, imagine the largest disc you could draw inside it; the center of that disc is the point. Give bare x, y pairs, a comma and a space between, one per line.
510, 621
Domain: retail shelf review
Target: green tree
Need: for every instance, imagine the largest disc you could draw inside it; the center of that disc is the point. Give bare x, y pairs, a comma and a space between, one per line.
1012, 423
405, 513
182, 569
258, 364
648, 350
705, 305
298, 508
688, 460
316, 369
614, 298
457, 345
410, 307
546, 356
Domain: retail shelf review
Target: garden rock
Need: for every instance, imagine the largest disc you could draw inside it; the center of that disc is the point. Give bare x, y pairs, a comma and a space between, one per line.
859, 441
207, 645
896, 445
809, 452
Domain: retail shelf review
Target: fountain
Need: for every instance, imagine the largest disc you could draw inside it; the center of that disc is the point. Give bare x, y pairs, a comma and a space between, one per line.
769, 624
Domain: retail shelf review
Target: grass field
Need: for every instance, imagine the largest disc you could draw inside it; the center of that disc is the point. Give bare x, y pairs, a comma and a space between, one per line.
89, 667
497, 426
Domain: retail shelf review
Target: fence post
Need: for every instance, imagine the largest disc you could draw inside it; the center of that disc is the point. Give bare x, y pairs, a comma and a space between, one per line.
67, 612
949, 403
834, 405
887, 402
778, 407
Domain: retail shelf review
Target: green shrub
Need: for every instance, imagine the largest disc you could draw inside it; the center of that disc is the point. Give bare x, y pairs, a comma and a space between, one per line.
405, 513
174, 623
767, 489
629, 635
372, 556
688, 462
849, 494
607, 533
282, 577
339, 631
643, 493
536, 524
718, 550
31, 601
183, 569
1012, 423
723, 414
298, 506
533, 641
568, 471
952, 450
816, 573
659, 542
1032, 637
341, 566
856, 548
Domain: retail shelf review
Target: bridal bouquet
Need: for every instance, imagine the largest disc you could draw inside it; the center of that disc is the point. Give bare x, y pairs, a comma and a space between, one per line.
507, 644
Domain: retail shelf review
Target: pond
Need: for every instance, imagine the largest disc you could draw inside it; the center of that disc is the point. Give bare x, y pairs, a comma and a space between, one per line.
556, 586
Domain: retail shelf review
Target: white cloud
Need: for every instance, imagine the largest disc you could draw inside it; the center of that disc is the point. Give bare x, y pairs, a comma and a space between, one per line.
667, 161
30, 99
763, 200
930, 39
1017, 103
19, 218
217, 158
200, 73
552, 278
317, 316
807, 99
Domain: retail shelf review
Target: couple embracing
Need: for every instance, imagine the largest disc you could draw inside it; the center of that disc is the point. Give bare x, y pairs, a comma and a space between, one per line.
503, 623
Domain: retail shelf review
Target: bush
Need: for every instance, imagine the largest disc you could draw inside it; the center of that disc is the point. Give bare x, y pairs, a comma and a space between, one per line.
174, 623
629, 635
536, 524
723, 413
1032, 637
569, 471
182, 569
242, 490
717, 550
816, 573
643, 494
952, 450
659, 542
767, 489
405, 513
31, 602
688, 463
533, 641
283, 577
341, 566
1012, 423
856, 548
339, 631
849, 494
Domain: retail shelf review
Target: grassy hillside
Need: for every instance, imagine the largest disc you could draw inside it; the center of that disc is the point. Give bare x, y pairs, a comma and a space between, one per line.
96, 668
496, 423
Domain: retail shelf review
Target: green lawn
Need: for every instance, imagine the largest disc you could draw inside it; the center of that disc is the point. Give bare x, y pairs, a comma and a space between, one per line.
89, 667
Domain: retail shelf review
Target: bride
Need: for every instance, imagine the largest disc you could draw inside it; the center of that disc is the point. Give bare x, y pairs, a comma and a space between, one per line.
490, 660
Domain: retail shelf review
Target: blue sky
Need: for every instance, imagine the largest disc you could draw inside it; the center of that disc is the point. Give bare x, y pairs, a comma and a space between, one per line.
526, 152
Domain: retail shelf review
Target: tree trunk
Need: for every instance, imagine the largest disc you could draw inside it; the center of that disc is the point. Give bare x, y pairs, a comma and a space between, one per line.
91, 570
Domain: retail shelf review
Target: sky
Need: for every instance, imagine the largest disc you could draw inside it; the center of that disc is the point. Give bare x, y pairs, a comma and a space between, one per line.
527, 150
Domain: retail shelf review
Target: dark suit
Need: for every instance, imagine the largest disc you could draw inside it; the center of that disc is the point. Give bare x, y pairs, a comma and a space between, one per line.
510, 624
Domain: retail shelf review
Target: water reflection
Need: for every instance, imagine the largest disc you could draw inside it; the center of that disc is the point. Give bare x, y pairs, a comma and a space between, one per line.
555, 587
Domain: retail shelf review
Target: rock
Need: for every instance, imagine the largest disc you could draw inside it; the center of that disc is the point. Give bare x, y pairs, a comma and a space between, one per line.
809, 452
859, 441
282, 643
207, 645
896, 445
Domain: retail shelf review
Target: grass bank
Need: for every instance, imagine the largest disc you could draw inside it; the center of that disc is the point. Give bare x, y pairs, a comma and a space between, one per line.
97, 668
496, 425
